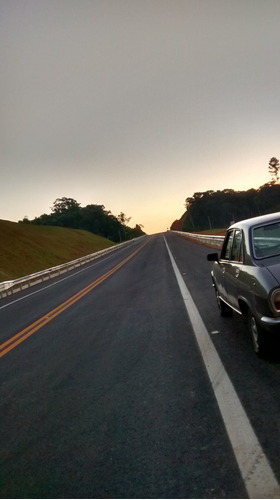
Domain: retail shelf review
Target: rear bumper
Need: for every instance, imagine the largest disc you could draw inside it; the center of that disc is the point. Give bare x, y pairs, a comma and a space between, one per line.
268, 321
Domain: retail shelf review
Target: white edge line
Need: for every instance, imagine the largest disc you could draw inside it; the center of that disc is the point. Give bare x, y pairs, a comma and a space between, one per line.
258, 477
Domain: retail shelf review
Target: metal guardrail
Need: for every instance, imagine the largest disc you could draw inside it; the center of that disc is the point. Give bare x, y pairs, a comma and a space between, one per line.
13, 286
210, 240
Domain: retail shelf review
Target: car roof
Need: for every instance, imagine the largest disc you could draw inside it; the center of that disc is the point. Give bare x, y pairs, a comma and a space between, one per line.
256, 221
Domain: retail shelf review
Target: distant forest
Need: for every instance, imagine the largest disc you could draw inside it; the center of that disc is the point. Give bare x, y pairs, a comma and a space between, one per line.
219, 209
67, 212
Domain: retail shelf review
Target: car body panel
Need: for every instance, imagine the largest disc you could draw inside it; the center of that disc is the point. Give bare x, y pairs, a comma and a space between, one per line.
274, 269
248, 270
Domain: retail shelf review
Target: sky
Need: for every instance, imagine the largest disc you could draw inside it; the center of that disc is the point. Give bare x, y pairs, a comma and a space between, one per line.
135, 104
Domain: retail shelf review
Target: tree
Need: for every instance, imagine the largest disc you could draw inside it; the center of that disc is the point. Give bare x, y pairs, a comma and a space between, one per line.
62, 204
218, 209
67, 212
25, 220
123, 219
273, 167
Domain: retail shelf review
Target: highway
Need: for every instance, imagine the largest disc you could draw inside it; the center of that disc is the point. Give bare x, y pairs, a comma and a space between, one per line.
121, 380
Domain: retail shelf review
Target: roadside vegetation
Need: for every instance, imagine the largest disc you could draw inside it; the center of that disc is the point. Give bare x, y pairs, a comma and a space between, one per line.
212, 209
67, 212
27, 248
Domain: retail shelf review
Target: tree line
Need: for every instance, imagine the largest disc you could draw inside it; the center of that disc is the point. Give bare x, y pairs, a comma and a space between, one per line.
67, 212
219, 209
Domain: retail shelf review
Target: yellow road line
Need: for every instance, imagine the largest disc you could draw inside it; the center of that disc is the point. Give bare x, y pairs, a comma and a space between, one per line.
18, 338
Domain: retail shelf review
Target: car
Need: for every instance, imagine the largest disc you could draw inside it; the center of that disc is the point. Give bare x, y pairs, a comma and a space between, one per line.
246, 276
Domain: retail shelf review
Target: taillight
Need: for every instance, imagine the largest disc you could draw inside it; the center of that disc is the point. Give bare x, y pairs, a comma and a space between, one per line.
276, 300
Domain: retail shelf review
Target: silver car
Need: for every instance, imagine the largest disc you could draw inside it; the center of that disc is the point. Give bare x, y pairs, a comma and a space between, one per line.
246, 276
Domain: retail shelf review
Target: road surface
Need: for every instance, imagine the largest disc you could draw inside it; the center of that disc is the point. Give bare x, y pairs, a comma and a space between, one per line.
118, 382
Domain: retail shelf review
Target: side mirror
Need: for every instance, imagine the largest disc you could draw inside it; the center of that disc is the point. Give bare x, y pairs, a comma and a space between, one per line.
213, 257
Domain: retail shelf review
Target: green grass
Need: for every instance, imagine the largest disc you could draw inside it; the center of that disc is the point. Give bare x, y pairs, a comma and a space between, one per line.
25, 248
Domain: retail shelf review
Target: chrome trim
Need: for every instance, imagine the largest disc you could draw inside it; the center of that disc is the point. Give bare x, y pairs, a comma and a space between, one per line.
229, 305
270, 321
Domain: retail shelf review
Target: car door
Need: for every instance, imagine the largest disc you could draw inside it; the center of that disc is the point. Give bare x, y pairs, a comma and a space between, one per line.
233, 268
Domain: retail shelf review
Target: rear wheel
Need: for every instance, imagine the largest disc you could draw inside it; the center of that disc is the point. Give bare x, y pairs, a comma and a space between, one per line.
224, 309
257, 334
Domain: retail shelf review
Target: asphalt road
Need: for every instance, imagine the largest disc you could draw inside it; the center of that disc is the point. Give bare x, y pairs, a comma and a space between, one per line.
104, 391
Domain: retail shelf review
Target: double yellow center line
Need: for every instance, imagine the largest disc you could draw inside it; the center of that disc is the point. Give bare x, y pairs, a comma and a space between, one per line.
15, 340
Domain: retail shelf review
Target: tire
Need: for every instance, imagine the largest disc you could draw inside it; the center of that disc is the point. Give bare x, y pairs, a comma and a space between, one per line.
224, 309
258, 335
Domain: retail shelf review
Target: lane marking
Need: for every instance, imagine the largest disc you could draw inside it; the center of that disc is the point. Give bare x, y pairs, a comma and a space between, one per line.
258, 477
19, 337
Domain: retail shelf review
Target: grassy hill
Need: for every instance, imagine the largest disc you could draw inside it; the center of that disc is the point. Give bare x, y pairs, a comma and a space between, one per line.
25, 249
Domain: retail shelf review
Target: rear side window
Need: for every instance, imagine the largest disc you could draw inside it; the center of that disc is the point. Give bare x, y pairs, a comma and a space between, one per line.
233, 246
226, 251
237, 247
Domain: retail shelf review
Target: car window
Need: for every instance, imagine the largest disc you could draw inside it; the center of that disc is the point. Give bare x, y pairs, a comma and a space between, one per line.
266, 240
226, 251
233, 247
237, 247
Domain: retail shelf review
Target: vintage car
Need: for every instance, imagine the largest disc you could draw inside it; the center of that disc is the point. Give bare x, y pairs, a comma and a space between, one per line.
246, 276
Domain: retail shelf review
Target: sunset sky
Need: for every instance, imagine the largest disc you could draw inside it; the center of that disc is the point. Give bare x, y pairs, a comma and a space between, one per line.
136, 104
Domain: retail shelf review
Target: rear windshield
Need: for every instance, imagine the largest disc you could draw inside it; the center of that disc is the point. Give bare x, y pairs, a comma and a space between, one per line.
266, 240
